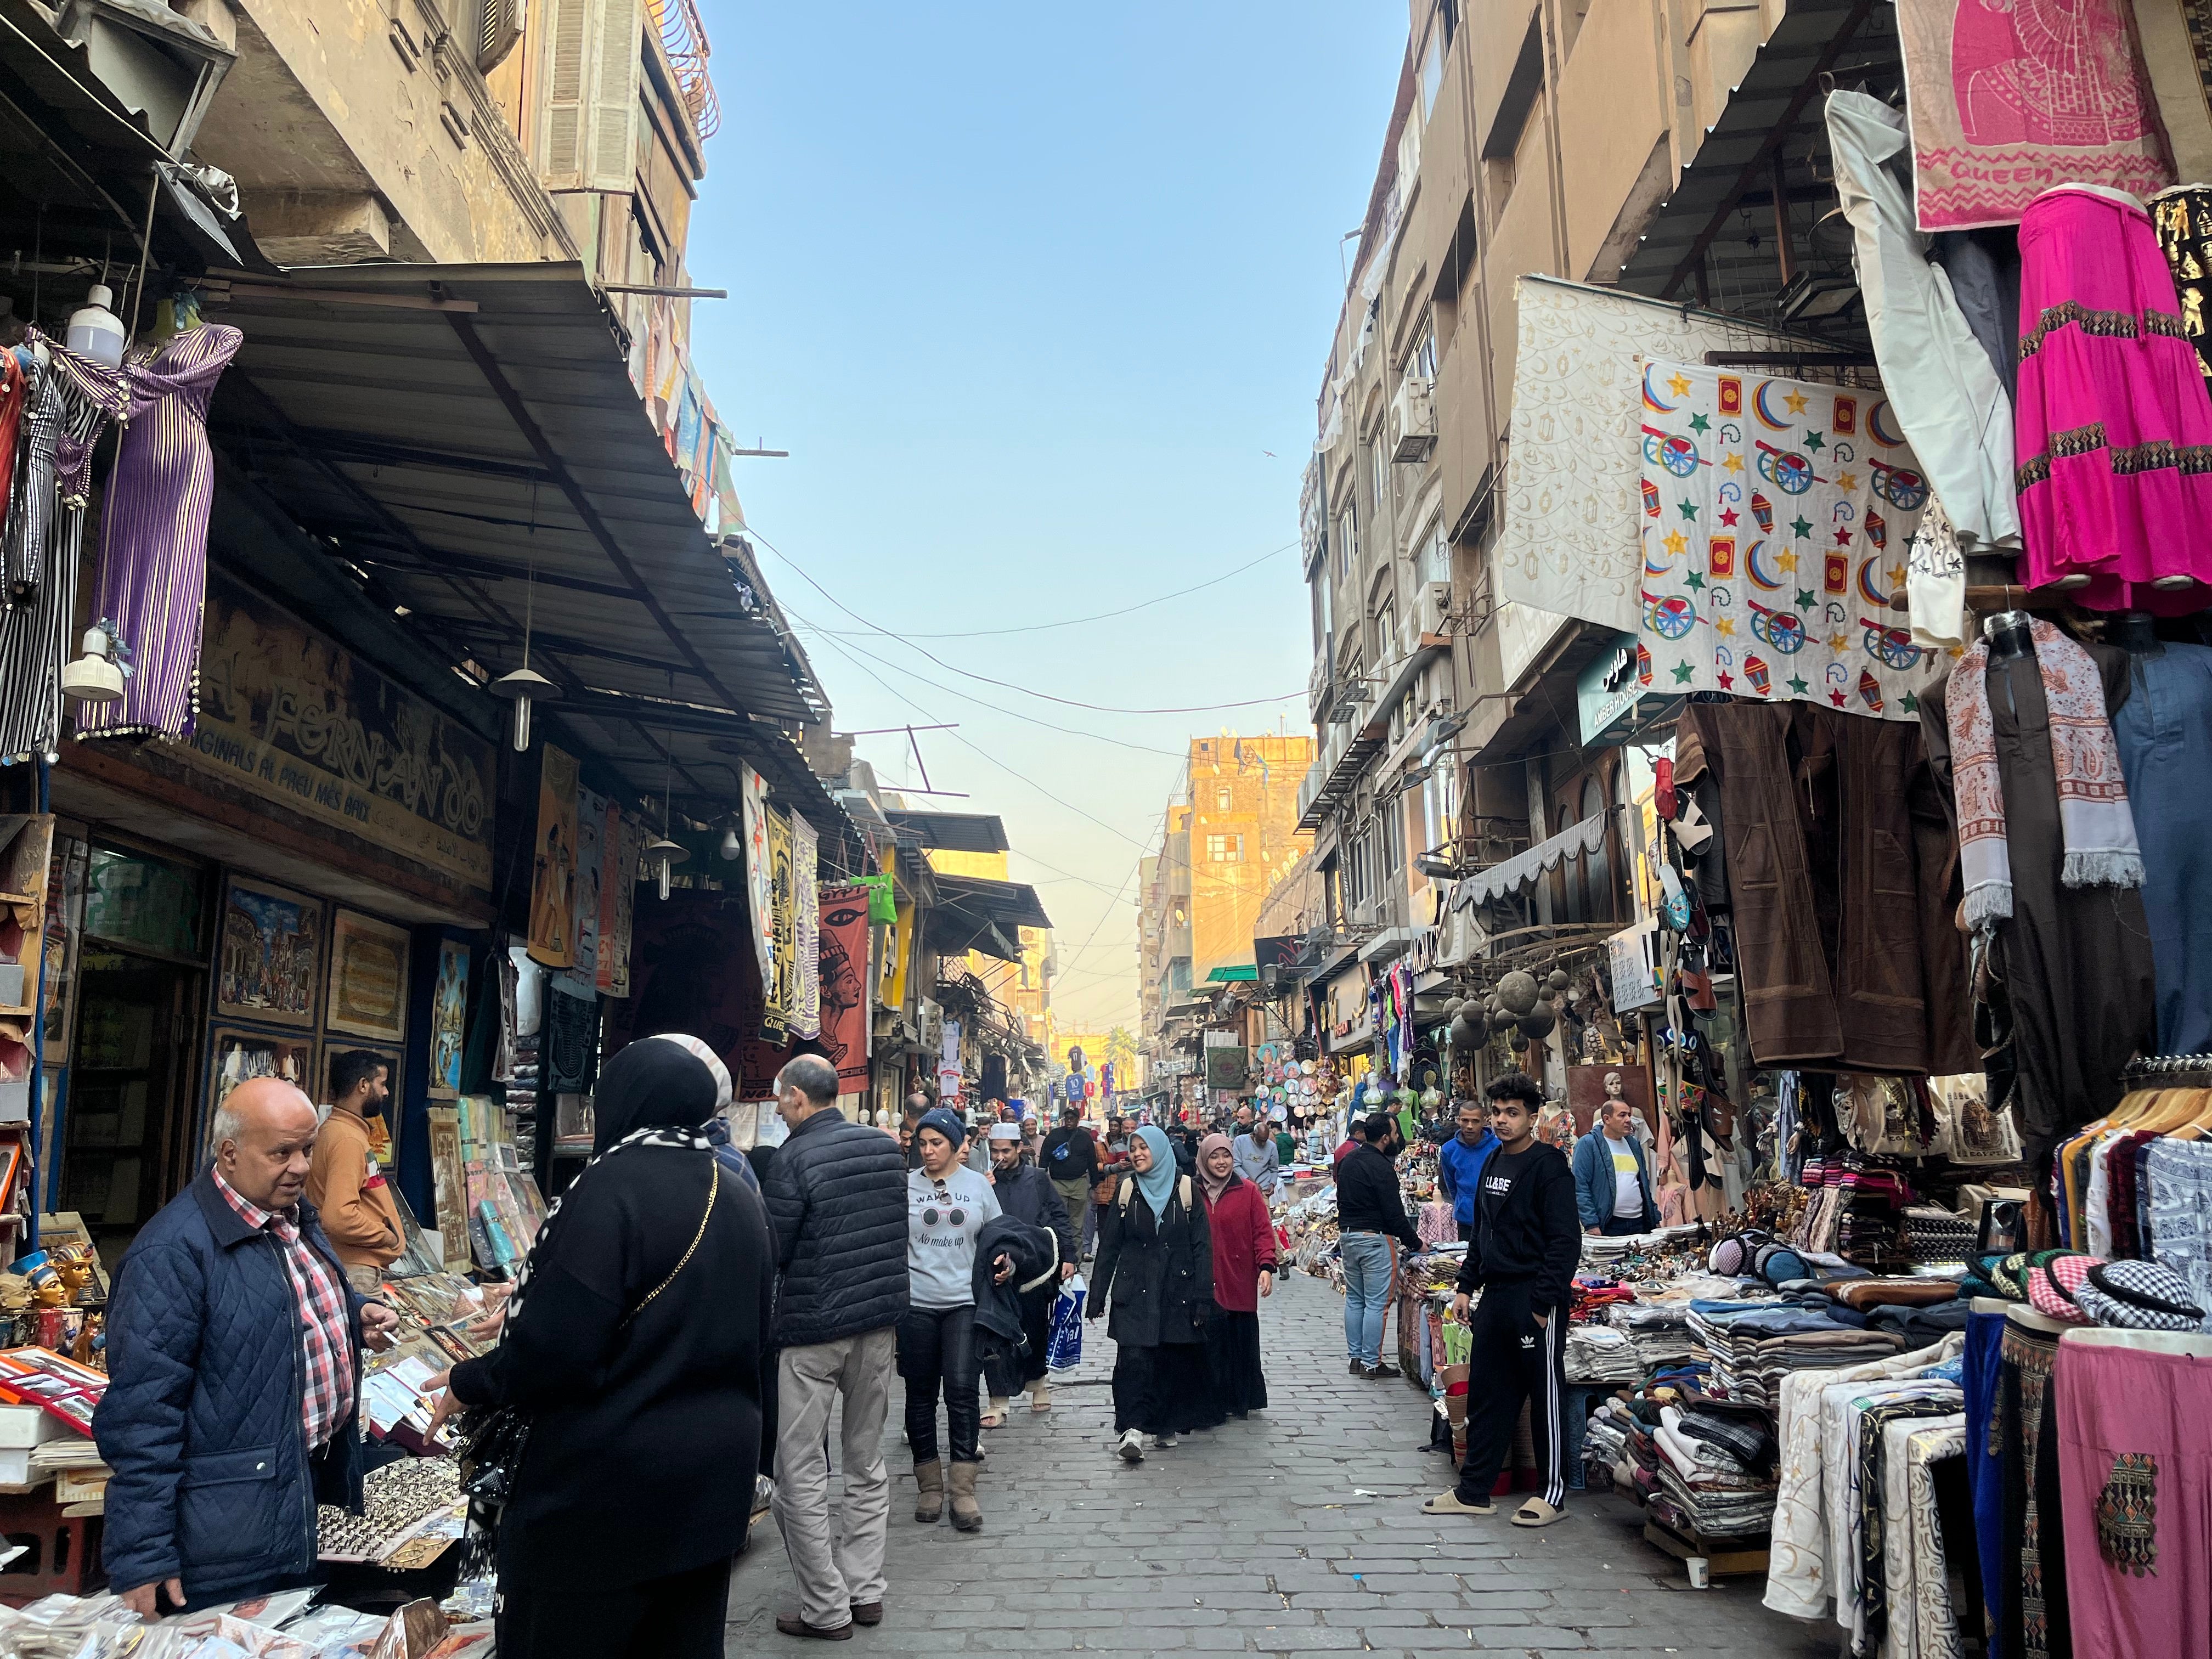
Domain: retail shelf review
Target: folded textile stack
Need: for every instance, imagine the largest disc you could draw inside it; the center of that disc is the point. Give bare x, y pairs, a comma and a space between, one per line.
1857, 1201
1697, 1465
1658, 1332
1594, 1294
1599, 1252
1598, 1353
1751, 1345
1932, 1234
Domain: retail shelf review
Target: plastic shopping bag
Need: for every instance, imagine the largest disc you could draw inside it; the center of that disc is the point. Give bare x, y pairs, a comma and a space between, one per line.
1064, 1339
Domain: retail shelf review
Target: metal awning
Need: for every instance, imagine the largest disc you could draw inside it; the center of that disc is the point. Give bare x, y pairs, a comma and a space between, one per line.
1234, 973
1523, 869
1736, 161
951, 832
974, 913
468, 439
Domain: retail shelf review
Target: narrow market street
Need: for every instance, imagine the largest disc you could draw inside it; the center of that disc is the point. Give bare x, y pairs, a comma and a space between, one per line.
1295, 1532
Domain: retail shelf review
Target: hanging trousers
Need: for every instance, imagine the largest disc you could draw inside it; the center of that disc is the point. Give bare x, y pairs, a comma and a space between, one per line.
1513, 1359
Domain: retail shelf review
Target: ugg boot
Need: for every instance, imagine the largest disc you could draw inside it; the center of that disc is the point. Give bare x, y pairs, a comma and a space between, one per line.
929, 1491
966, 1514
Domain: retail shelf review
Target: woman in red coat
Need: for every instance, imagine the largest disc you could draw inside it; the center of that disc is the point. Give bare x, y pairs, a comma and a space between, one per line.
1243, 1272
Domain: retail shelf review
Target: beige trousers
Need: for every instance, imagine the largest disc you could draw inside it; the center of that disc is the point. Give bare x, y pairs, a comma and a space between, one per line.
838, 1563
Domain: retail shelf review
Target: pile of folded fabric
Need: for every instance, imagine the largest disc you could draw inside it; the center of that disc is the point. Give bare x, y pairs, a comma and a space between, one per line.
1598, 1353
1592, 1295
1933, 1235
1716, 1470
1753, 1345
1658, 1332
1605, 1439
1858, 1200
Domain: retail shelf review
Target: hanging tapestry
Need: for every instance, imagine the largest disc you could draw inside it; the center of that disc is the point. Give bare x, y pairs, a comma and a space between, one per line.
449, 1008
553, 876
806, 964
844, 953
2007, 101
783, 918
752, 796
591, 872
1777, 515
621, 840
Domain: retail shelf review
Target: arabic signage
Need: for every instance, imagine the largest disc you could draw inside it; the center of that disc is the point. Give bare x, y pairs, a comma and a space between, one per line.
289, 716
1610, 694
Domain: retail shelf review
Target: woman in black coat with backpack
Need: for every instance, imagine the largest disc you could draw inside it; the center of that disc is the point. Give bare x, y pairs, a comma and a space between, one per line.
1155, 1274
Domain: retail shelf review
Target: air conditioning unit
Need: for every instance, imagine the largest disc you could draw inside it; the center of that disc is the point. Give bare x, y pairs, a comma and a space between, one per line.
1434, 608
1412, 420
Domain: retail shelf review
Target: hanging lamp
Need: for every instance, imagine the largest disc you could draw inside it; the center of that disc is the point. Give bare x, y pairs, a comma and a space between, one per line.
525, 685
96, 677
663, 855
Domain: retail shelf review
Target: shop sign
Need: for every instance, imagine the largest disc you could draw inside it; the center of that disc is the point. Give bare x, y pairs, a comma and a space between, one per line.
1615, 694
287, 716
1225, 1067
1632, 954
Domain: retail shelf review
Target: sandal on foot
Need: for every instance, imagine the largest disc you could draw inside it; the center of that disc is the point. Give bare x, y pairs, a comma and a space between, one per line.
1448, 1503
1537, 1513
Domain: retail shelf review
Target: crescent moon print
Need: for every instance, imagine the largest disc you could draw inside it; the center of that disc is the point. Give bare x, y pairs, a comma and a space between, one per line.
1651, 397
1868, 591
1766, 415
1879, 428
1756, 564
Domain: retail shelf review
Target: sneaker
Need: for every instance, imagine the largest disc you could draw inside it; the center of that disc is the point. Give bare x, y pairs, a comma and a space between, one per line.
1359, 1366
1163, 1442
1132, 1448
1377, 1373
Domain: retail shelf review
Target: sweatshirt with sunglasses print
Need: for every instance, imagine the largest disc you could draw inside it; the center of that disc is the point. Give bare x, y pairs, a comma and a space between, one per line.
944, 1217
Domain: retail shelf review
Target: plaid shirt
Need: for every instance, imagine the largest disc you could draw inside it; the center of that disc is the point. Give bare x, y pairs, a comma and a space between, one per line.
325, 1334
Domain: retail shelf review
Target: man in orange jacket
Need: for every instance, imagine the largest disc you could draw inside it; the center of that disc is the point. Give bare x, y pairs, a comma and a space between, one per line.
344, 1182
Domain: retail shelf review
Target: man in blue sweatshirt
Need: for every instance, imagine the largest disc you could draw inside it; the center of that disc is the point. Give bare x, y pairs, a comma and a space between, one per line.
1522, 1257
1459, 1161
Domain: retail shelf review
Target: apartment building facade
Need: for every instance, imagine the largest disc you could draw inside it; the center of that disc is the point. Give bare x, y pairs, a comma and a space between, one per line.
1668, 148
1229, 838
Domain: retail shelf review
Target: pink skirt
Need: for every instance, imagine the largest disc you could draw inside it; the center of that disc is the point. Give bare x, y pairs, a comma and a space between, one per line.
2114, 425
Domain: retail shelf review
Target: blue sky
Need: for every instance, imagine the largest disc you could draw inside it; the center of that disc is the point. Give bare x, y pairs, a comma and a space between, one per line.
1029, 292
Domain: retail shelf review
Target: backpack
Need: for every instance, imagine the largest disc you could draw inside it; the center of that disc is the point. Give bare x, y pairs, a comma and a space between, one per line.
1182, 1192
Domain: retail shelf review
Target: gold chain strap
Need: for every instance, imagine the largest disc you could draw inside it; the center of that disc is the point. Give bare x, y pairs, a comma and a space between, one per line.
714, 1191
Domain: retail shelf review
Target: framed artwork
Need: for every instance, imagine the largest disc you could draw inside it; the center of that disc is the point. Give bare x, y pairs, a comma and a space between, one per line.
369, 978
449, 1008
553, 872
449, 1177
269, 954
237, 1053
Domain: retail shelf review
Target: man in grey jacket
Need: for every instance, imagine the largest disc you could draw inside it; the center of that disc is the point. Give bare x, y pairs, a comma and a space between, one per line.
1255, 1158
836, 1203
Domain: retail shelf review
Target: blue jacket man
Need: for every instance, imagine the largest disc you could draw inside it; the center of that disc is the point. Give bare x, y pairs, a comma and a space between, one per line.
1459, 1161
1598, 1173
234, 1359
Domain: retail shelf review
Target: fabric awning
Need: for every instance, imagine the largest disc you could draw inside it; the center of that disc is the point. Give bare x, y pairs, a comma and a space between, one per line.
1523, 869
1234, 972
467, 439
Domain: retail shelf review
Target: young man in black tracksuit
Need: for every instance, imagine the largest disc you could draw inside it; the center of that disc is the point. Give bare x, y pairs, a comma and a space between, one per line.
1521, 1254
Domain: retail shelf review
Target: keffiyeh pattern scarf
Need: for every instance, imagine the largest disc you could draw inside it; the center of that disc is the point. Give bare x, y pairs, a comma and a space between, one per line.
2095, 825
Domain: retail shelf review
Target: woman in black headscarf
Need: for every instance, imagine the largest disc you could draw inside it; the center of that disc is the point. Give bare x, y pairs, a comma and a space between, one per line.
635, 1345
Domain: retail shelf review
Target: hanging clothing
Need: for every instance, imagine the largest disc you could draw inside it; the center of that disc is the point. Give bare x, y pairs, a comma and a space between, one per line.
2075, 962
2165, 734
153, 534
1842, 880
1947, 398
1983, 266
14, 402
2114, 436
2032, 1622
73, 399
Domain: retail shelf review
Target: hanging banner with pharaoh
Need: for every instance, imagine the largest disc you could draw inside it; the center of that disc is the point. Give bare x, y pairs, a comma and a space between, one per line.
1777, 516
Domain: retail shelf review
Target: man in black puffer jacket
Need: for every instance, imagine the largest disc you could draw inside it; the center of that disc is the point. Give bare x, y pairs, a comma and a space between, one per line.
836, 1204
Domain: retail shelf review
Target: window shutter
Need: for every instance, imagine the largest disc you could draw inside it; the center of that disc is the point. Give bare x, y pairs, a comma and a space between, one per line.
610, 162
563, 79
499, 27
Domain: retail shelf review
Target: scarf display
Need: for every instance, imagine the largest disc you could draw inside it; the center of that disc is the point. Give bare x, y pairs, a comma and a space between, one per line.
2007, 101
2093, 820
1206, 1148
1158, 1183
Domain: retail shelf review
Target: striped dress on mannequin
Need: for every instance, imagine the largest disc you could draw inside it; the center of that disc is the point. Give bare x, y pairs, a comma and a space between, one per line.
74, 399
152, 535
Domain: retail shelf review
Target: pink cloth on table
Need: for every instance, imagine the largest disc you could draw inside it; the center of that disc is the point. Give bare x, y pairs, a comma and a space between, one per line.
2114, 428
2135, 1478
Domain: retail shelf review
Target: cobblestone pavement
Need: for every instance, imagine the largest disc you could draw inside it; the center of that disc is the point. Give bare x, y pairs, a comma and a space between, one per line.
1297, 1532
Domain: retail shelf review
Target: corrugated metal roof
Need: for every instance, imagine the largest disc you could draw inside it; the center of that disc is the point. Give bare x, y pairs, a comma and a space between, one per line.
951, 832
1008, 903
468, 438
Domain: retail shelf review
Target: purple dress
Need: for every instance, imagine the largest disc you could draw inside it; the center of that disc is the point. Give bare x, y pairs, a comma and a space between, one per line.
153, 547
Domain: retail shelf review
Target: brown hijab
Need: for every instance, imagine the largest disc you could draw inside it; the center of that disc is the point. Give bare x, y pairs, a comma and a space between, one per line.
1206, 1148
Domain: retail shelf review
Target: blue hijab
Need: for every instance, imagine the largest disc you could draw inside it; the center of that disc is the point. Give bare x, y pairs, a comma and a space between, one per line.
1158, 1183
